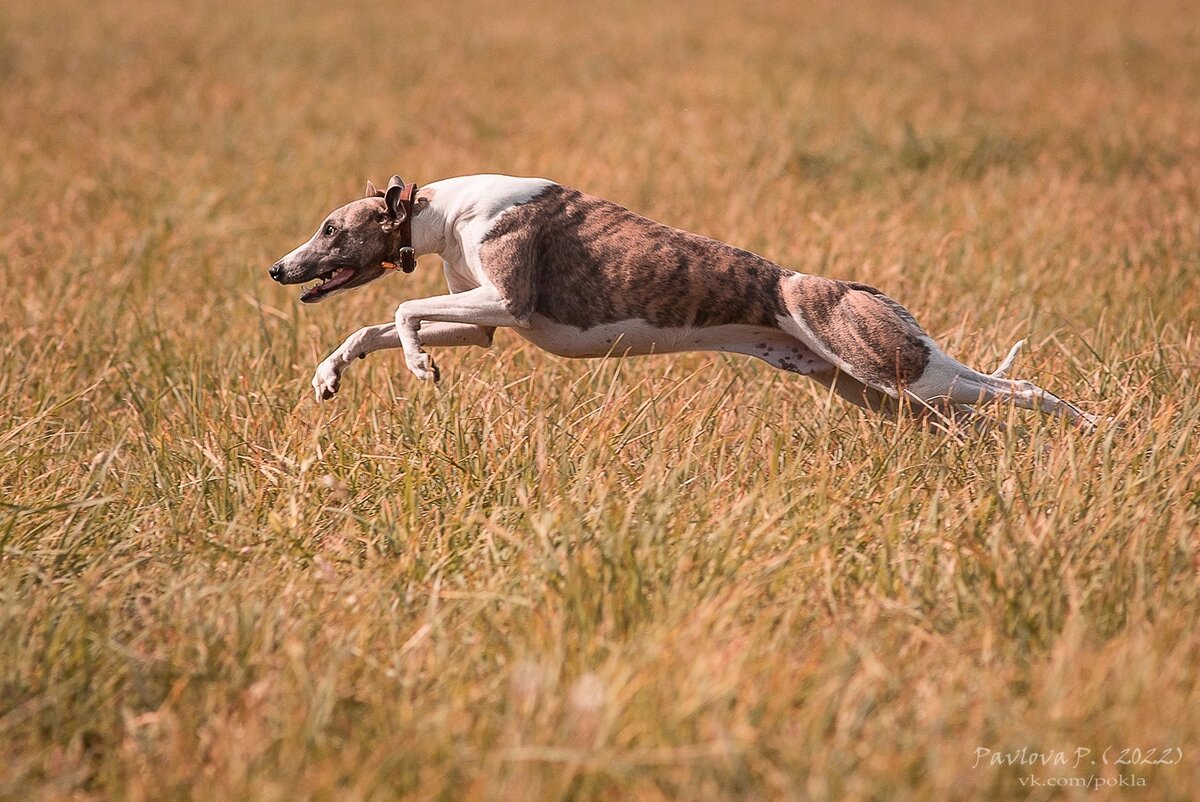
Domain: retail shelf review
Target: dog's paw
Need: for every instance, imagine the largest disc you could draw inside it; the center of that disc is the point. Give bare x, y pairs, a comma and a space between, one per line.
325, 381
423, 367
1093, 423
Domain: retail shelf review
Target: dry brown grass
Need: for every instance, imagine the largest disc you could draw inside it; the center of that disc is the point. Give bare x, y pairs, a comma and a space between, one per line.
677, 578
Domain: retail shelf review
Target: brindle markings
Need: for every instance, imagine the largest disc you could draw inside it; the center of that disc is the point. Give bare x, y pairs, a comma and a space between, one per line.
873, 334
583, 261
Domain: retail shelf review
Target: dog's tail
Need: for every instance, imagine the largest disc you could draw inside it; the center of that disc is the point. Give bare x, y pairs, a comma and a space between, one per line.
1000, 372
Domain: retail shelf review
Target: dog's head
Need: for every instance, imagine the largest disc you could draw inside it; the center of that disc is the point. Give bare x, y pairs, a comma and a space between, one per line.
350, 247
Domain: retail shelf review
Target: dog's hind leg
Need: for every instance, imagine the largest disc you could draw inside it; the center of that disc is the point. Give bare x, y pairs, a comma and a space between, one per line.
865, 335
940, 415
878, 343
857, 393
947, 378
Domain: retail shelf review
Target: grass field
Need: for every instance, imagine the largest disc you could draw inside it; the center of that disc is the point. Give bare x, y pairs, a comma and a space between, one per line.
679, 578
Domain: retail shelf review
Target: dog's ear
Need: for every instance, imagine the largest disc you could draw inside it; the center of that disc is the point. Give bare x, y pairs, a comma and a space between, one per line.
372, 192
392, 196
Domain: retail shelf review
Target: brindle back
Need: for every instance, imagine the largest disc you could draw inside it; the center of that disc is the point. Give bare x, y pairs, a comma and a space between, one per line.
584, 261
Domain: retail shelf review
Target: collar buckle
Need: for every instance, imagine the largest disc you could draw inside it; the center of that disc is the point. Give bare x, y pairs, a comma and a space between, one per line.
408, 259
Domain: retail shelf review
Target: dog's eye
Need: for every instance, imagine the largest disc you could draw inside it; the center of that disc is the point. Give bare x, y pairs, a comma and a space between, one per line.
330, 229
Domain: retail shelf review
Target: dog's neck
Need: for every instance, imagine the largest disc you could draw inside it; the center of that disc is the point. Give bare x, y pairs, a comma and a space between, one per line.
453, 215
429, 224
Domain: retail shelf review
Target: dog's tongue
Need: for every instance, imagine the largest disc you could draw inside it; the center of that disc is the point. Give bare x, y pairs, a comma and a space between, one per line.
339, 277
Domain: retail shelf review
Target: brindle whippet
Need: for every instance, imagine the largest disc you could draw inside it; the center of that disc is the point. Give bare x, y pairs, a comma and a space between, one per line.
582, 277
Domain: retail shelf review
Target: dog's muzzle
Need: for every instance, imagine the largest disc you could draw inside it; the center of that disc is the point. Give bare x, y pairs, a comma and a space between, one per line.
276, 271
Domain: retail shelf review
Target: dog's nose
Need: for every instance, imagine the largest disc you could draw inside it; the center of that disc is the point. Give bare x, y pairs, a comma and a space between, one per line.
276, 271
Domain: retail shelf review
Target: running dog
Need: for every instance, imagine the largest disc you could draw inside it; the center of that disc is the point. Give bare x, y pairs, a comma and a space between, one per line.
583, 277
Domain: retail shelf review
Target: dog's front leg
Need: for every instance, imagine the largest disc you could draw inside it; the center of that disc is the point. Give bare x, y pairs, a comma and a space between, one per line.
369, 339
366, 340
482, 306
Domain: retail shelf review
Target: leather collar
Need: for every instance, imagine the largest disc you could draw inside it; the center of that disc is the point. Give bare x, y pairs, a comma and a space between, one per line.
406, 258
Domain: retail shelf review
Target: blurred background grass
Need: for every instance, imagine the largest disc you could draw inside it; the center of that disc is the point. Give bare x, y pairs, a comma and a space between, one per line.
688, 577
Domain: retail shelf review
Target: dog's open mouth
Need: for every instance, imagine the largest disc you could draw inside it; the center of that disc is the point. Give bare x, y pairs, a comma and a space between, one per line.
327, 282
